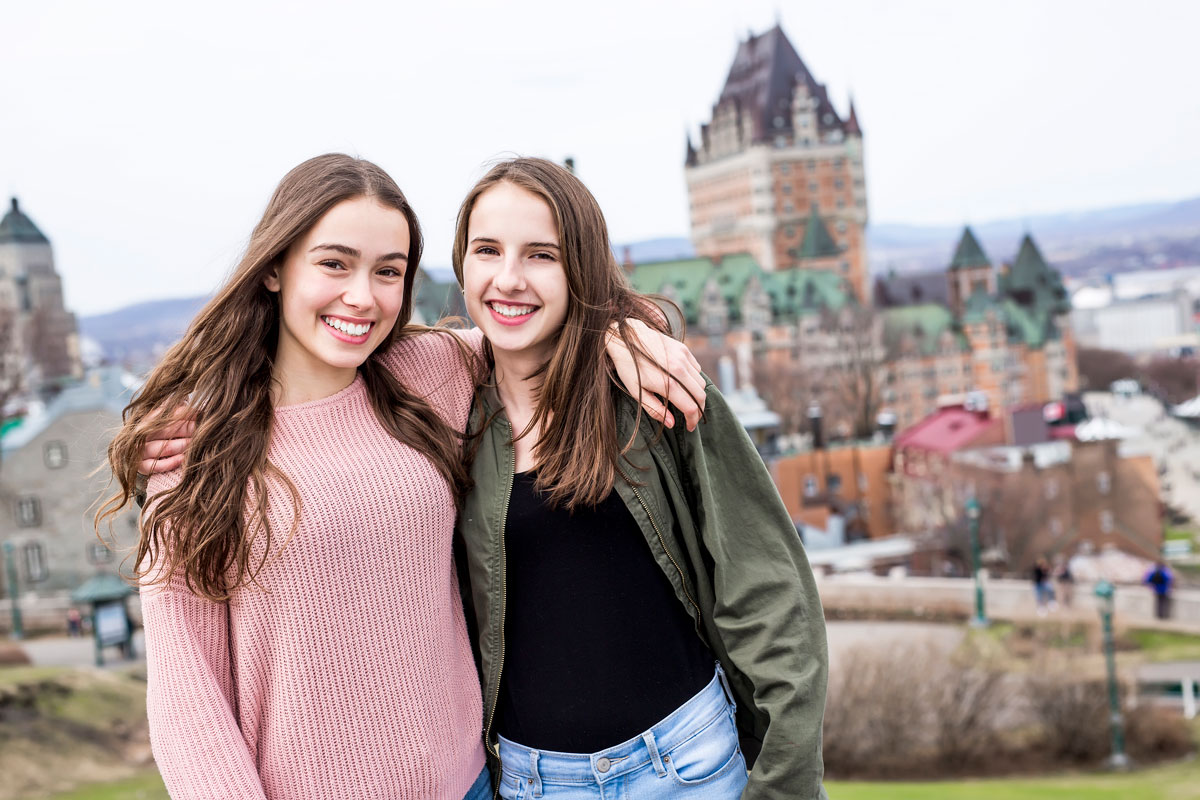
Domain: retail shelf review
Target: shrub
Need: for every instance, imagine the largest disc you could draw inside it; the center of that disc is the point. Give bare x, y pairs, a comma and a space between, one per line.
1153, 733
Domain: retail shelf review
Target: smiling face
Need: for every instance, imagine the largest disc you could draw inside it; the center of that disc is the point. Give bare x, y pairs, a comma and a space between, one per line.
341, 288
514, 280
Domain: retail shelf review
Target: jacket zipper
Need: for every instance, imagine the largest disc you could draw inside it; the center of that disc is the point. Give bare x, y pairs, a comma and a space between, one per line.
487, 731
662, 542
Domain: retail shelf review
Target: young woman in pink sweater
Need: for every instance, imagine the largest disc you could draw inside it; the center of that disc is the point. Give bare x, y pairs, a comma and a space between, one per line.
304, 633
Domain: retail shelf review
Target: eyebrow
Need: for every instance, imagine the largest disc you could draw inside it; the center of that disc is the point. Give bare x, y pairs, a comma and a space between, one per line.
350, 251
490, 240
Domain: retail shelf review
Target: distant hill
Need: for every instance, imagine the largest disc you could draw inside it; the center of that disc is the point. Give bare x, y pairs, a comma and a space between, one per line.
1062, 237
138, 334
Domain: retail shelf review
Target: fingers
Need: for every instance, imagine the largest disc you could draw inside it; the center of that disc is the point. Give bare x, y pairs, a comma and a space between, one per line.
183, 429
655, 409
151, 466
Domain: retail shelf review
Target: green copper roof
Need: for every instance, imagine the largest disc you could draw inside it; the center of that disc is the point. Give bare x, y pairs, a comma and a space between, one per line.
16, 227
1025, 325
817, 241
969, 253
797, 292
977, 307
1035, 284
793, 292
682, 280
924, 323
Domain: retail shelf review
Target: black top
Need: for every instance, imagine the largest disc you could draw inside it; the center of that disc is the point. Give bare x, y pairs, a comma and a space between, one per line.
597, 646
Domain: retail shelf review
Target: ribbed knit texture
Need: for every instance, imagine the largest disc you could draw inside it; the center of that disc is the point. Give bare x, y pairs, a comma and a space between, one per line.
353, 671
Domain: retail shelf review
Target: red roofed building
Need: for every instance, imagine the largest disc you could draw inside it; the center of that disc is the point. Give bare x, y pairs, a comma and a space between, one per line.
925, 449
1041, 495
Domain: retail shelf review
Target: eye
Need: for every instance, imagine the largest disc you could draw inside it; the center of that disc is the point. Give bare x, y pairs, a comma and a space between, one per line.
391, 272
544, 256
486, 250
332, 264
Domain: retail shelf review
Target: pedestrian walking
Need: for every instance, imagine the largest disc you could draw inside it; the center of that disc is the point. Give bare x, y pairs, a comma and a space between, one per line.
1043, 592
1065, 582
1160, 580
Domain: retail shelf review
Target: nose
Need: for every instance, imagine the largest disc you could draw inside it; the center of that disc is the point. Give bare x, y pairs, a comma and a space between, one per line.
511, 277
357, 292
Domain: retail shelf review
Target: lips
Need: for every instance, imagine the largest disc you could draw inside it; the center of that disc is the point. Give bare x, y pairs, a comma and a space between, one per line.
346, 330
510, 313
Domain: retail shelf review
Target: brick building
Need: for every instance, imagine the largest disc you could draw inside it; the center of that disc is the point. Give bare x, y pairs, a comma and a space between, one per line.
778, 172
1041, 495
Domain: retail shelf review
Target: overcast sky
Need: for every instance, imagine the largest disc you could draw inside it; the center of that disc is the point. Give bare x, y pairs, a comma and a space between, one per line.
145, 138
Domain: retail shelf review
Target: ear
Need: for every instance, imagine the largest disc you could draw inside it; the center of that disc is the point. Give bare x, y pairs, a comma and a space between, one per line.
271, 281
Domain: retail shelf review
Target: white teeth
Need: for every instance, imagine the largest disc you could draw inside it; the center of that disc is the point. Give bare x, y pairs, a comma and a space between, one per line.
347, 328
511, 311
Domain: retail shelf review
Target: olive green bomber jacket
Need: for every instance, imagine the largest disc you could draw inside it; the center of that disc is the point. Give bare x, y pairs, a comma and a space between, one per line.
717, 527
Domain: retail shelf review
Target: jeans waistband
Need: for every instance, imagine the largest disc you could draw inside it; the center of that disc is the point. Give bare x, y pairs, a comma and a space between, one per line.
676, 728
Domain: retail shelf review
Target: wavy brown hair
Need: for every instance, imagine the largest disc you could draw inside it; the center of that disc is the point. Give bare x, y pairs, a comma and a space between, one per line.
207, 526
577, 451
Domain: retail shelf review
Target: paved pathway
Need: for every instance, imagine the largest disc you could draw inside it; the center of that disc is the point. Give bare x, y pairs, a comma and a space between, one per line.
61, 651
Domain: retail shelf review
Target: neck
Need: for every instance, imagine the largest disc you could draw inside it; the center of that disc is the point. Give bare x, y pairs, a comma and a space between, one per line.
292, 384
517, 390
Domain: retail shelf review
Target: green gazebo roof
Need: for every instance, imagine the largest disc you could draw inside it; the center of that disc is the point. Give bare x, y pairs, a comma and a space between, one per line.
101, 588
17, 227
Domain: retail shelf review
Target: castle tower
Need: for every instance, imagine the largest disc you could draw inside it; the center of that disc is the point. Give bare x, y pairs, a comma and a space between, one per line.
775, 152
39, 341
969, 272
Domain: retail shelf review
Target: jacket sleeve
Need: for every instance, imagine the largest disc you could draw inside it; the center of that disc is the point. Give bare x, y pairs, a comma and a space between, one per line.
766, 607
194, 733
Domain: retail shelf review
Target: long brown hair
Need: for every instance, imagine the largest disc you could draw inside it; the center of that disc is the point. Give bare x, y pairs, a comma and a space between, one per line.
577, 451
207, 525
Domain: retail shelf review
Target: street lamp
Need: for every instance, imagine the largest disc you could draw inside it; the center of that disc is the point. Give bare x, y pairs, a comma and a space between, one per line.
1118, 760
10, 569
980, 619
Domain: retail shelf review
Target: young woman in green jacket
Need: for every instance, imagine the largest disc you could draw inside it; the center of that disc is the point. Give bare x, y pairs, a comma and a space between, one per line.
647, 620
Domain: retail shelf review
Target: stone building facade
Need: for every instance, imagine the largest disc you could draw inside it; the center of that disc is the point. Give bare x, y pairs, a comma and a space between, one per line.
49, 486
775, 155
39, 339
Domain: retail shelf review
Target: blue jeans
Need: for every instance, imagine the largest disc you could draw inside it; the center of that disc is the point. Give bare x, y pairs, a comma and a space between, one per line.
481, 789
692, 754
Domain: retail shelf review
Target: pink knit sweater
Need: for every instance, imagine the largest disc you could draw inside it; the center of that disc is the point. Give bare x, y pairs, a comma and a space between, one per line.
348, 672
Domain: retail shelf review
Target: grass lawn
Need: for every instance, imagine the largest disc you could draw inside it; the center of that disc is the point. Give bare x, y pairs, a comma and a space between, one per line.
1174, 782
1166, 646
148, 786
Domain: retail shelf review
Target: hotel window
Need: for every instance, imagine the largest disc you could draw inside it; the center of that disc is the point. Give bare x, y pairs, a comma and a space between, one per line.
787, 188
1103, 483
785, 169
35, 562
98, 553
810, 486
55, 455
28, 511
838, 183
1051, 489
812, 187
1106, 522
812, 165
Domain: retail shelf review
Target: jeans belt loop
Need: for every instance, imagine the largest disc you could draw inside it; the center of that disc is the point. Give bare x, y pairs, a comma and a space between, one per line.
725, 685
652, 746
537, 776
